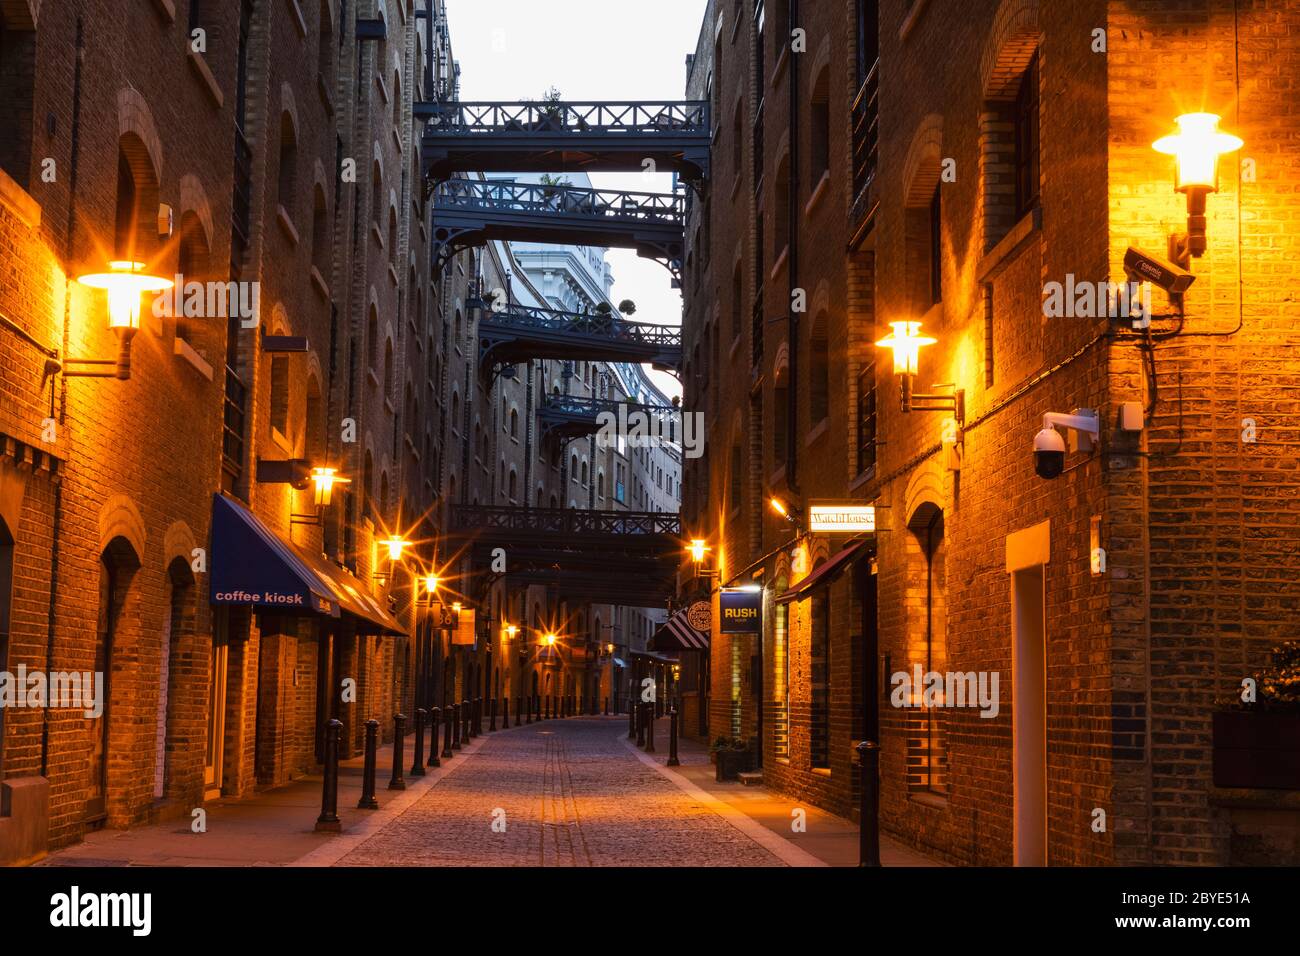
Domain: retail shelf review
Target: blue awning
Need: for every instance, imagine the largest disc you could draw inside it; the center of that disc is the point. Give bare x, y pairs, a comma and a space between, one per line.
251, 565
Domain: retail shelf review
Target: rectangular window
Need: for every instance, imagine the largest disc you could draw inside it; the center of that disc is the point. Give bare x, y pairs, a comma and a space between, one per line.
17, 70
819, 737
867, 418
1027, 141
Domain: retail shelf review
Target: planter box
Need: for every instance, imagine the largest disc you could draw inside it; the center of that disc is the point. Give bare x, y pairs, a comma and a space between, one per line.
732, 763
1257, 750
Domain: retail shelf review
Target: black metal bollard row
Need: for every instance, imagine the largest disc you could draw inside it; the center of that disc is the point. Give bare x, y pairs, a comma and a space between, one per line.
368, 801
435, 715
417, 764
328, 821
397, 781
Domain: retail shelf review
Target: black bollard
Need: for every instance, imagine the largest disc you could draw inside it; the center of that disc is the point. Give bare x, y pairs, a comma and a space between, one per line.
869, 805
398, 782
606, 706
650, 732
546, 714
435, 715
368, 801
672, 738
474, 726
467, 711
455, 740
528, 717
492, 716
417, 764
631, 723
537, 706
449, 722
505, 713
640, 724
328, 821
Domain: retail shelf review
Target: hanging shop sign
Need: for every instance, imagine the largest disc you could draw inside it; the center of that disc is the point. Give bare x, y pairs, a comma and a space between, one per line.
700, 616
742, 611
833, 518
464, 633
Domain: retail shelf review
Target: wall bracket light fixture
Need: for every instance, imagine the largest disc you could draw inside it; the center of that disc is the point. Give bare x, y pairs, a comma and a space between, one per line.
1196, 148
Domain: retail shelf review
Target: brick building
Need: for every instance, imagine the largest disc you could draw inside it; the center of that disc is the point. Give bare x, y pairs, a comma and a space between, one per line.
157, 523
897, 162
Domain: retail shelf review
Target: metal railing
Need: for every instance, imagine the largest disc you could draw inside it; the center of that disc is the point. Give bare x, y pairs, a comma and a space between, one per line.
591, 407
866, 129
564, 521
232, 431
582, 323
605, 205
640, 119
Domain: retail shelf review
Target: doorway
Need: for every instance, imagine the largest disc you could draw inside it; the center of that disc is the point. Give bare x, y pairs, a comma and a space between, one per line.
1029, 713
212, 760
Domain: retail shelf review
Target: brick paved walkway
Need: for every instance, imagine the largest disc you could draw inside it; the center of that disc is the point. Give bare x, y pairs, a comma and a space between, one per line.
570, 793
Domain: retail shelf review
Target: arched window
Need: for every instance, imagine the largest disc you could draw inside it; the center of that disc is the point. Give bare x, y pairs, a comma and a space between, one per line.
388, 369
194, 266
927, 756
320, 233
585, 474
819, 372
512, 484
324, 50
376, 193
135, 230
372, 339
819, 159
288, 170
514, 423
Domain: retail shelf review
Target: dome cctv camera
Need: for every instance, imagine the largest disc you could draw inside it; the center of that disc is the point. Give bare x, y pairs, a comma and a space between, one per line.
1049, 453
1049, 444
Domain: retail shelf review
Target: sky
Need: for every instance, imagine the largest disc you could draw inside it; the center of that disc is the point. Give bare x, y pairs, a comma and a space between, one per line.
589, 50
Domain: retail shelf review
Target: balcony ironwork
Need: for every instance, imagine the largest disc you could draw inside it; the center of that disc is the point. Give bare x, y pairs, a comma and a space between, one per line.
469, 212
518, 333
567, 416
568, 522
866, 129
609, 557
559, 136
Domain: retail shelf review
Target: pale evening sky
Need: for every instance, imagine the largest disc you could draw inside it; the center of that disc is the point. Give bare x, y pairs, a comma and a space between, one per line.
589, 50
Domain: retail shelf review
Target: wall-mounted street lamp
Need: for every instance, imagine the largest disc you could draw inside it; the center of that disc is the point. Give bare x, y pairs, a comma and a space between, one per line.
1196, 148
322, 482
786, 510
906, 342
125, 281
697, 550
394, 545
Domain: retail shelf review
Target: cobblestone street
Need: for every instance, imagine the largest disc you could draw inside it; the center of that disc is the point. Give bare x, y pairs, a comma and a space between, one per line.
573, 794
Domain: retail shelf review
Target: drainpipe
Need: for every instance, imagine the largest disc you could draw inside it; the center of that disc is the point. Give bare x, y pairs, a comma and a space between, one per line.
69, 252
792, 265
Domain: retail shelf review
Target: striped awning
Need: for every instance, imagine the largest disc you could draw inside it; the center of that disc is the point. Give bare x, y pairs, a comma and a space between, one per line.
678, 635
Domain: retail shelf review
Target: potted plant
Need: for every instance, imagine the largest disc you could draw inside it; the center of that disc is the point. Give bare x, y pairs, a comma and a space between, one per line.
550, 112
732, 757
1257, 739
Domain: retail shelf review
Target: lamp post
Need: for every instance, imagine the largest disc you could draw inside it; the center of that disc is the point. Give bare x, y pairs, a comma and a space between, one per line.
1196, 149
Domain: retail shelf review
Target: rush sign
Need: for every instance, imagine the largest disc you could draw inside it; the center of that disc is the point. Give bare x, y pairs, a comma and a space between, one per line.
741, 611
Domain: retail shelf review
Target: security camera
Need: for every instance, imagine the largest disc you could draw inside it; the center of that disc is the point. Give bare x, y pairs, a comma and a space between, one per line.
1145, 267
1049, 453
1049, 444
